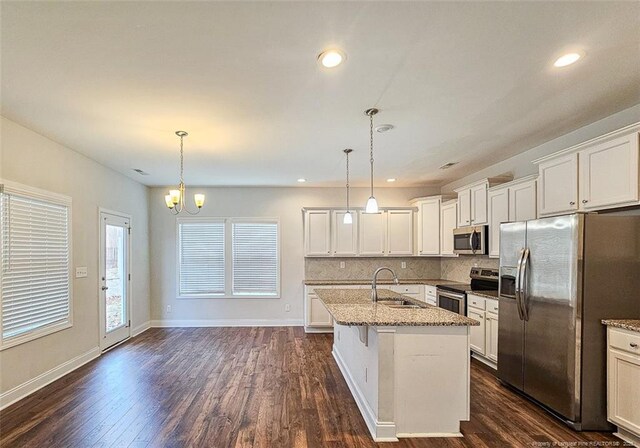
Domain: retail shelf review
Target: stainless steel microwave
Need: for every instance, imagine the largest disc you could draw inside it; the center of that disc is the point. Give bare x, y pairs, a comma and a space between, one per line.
472, 240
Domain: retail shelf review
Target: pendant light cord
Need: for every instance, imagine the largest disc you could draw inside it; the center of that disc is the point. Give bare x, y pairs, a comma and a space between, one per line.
181, 161
347, 182
371, 149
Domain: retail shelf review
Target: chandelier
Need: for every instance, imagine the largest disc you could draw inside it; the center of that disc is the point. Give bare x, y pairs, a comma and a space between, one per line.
175, 198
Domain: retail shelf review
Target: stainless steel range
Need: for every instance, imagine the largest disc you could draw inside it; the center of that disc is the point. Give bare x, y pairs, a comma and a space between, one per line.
453, 296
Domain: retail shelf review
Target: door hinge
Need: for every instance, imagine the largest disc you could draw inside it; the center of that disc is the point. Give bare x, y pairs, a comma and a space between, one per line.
129, 230
129, 325
129, 277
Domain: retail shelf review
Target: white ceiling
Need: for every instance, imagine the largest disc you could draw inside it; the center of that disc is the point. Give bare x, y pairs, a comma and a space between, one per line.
467, 82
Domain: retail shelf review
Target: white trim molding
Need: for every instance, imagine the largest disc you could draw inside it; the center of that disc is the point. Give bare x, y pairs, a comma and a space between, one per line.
168, 323
27, 388
139, 329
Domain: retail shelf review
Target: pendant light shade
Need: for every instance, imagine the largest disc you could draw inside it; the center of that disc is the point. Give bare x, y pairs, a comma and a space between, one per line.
372, 204
348, 219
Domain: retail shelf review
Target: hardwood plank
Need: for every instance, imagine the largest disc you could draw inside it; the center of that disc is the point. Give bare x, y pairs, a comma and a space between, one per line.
243, 387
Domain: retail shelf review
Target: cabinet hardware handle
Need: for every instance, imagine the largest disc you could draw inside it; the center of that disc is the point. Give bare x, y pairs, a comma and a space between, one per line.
584, 201
633, 344
572, 203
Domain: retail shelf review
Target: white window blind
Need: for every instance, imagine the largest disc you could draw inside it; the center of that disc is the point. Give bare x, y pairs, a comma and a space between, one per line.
255, 258
35, 283
202, 258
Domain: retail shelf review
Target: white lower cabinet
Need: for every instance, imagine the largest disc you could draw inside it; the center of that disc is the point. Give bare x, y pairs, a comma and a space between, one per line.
484, 338
623, 382
431, 295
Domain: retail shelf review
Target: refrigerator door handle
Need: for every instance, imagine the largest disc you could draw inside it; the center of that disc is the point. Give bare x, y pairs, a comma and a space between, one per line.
517, 290
524, 290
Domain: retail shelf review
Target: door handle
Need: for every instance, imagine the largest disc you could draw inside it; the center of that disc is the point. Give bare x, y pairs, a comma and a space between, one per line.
517, 291
104, 288
524, 292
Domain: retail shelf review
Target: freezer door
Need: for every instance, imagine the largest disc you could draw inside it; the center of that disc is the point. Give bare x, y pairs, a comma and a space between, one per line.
552, 279
510, 325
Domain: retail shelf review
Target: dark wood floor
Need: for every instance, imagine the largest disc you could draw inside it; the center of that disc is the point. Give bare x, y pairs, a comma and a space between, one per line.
222, 387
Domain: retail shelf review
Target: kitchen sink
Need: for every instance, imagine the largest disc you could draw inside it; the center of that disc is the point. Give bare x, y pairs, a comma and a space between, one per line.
401, 303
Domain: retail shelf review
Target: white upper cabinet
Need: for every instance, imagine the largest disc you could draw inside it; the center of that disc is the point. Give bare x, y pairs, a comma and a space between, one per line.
498, 213
523, 200
558, 185
595, 175
428, 225
464, 208
317, 229
372, 233
473, 201
400, 232
609, 173
448, 218
344, 237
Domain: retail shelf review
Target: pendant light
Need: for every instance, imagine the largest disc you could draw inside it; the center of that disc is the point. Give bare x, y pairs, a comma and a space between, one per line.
175, 199
372, 204
348, 219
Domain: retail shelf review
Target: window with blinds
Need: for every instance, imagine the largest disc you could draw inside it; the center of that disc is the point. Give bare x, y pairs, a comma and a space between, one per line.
228, 258
202, 258
35, 263
255, 258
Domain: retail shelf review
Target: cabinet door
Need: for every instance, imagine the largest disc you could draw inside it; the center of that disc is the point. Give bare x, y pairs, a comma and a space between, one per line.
491, 339
623, 390
498, 213
372, 233
344, 237
464, 208
609, 173
479, 213
448, 216
317, 314
317, 233
477, 333
400, 232
522, 201
429, 227
558, 185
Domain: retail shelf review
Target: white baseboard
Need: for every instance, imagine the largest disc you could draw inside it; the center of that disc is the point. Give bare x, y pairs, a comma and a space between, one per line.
318, 330
627, 436
380, 431
27, 388
140, 328
484, 361
165, 323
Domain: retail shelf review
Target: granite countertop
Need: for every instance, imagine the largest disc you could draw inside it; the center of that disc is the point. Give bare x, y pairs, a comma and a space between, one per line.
403, 281
627, 324
486, 294
354, 307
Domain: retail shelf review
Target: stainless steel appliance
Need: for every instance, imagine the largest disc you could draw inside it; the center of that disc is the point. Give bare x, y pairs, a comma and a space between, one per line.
453, 296
558, 278
470, 240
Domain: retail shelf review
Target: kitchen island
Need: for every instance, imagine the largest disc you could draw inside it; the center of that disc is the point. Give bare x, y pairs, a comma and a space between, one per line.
407, 368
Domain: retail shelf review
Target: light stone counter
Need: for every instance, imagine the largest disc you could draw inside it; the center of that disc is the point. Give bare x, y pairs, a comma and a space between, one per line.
627, 324
354, 307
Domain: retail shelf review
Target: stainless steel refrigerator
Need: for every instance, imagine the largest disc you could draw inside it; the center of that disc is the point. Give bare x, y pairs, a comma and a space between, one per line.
559, 277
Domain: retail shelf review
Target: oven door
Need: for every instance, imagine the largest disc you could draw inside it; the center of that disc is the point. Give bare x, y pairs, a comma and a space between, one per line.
470, 240
452, 301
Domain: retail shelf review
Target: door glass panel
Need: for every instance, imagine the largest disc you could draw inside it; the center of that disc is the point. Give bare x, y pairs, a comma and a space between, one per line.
115, 277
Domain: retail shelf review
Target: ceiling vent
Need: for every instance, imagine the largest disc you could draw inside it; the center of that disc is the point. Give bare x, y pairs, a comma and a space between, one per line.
448, 165
141, 172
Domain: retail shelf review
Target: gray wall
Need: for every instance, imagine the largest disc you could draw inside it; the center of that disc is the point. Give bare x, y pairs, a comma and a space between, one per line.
31, 159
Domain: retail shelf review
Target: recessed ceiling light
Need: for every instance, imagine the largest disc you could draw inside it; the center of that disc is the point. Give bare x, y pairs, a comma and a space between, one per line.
567, 59
302, 180
331, 58
393, 179
384, 128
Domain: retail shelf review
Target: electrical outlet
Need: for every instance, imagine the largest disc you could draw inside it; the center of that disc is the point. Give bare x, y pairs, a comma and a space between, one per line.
81, 272
403, 265
168, 308
342, 265
287, 308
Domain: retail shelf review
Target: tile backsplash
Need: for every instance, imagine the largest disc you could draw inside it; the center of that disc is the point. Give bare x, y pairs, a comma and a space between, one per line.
356, 268
363, 268
457, 269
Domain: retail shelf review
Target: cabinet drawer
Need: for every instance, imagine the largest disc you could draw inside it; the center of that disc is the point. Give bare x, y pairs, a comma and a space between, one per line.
624, 340
406, 289
476, 302
430, 290
491, 306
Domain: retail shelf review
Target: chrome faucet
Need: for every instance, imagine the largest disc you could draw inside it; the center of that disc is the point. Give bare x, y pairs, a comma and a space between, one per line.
374, 283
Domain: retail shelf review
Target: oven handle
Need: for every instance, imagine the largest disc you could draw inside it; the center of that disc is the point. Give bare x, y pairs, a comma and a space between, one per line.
518, 291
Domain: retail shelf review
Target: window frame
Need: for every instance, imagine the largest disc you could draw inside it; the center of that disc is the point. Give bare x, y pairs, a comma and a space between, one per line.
10, 187
228, 256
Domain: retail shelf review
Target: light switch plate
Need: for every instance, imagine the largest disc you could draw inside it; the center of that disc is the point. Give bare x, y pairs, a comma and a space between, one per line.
81, 272
342, 264
403, 265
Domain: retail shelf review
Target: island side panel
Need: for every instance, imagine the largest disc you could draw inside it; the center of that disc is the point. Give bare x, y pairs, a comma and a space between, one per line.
432, 375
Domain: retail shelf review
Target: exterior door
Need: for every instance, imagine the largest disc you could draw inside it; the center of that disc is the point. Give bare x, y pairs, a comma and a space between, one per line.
114, 279
510, 325
552, 288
